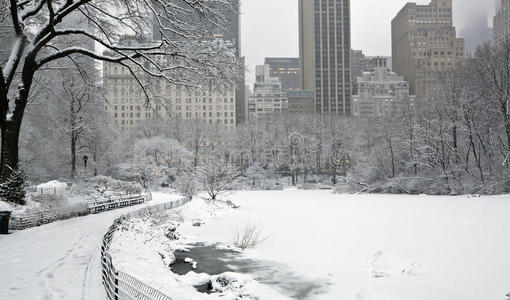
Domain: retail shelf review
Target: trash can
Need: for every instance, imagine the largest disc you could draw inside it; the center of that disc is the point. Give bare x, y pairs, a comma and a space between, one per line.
4, 221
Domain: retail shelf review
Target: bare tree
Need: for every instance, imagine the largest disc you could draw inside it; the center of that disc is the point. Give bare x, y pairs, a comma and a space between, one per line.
215, 176
36, 26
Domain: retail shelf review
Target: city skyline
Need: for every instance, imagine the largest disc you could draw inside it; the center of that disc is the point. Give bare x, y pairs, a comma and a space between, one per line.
282, 17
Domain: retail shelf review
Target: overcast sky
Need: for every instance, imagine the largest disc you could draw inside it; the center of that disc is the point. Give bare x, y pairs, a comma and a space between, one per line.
270, 27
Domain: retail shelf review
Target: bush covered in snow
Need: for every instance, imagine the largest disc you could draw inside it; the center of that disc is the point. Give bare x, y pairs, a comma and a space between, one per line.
106, 183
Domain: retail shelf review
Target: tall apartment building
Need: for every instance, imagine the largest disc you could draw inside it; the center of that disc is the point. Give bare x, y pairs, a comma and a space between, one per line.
381, 92
286, 69
126, 103
325, 53
231, 32
268, 96
501, 26
425, 44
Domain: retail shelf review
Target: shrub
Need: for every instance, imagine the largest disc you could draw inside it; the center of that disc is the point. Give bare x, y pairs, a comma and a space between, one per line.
247, 237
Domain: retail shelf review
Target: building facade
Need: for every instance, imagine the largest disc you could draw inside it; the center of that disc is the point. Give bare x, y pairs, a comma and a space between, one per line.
286, 69
381, 93
325, 53
300, 101
127, 106
425, 44
501, 25
268, 96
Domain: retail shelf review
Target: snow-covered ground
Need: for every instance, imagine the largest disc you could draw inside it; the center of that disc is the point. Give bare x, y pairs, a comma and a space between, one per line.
356, 247
377, 247
60, 260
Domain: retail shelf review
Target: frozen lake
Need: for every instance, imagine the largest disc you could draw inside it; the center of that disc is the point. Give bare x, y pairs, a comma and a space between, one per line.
377, 247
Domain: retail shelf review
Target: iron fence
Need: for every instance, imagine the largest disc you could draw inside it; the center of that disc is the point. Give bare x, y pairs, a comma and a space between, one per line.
120, 285
82, 209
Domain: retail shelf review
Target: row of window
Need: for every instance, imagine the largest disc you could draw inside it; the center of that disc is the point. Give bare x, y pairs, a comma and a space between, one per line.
210, 121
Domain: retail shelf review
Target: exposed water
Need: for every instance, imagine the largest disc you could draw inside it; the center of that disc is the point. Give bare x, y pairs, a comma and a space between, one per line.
213, 260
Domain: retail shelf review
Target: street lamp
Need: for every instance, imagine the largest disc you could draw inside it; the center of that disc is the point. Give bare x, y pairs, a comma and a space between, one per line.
296, 142
85, 160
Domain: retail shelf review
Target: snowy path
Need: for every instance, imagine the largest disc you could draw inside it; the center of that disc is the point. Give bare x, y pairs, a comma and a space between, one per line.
59, 260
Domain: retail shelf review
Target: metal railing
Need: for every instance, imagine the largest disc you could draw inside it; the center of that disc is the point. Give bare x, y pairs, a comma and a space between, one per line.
115, 203
82, 209
122, 286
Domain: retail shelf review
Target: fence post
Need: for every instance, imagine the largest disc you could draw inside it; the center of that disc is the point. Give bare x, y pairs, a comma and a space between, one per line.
116, 293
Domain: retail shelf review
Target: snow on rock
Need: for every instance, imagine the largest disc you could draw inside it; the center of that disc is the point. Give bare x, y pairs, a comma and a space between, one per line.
228, 281
191, 262
195, 279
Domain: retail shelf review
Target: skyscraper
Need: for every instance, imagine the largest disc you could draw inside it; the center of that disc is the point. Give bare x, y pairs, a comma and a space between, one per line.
325, 53
502, 22
425, 44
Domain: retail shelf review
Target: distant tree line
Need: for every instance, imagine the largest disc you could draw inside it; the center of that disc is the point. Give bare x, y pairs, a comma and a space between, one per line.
455, 141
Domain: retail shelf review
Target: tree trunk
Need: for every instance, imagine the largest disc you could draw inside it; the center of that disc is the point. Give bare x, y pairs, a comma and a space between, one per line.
73, 156
9, 149
507, 129
74, 135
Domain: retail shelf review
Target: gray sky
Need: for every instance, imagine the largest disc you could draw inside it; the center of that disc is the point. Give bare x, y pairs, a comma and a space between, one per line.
270, 27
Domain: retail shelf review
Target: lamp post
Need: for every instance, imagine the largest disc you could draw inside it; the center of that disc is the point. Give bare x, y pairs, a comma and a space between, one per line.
296, 141
85, 160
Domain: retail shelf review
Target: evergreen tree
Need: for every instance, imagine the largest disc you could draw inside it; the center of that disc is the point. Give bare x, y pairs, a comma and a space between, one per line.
13, 190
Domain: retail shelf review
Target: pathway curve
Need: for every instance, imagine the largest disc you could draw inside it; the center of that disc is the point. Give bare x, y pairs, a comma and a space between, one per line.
60, 260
